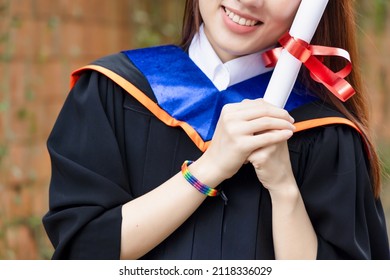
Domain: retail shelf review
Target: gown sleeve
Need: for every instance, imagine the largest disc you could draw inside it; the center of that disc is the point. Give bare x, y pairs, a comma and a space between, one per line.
337, 191
89, 184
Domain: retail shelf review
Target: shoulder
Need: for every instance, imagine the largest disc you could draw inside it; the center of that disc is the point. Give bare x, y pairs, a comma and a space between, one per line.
327, 150
319, 116
123, 63
105, 67
122, 66
329, 137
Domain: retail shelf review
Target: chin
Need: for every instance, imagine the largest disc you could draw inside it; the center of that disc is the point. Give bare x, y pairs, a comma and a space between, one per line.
239, 51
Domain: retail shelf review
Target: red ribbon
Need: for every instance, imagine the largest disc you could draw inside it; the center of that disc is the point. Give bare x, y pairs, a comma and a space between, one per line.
307, 53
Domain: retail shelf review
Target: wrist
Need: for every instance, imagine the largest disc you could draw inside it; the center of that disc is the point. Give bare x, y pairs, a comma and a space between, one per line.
288, 194
190, 178
206, 172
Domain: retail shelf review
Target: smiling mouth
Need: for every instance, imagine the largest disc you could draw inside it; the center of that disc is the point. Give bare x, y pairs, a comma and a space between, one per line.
240, 20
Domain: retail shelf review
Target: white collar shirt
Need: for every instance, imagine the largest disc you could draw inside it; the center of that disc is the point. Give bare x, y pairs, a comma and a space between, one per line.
224, 75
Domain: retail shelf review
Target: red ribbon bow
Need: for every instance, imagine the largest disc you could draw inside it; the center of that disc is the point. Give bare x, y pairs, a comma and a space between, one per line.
307, 53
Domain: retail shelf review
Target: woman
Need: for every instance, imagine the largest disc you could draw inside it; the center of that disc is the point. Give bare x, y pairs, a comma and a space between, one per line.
117, 190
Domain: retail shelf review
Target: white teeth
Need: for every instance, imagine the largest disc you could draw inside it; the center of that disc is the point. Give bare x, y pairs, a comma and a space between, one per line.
240, 20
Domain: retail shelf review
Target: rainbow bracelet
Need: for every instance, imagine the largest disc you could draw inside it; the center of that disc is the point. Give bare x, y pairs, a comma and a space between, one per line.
204, 189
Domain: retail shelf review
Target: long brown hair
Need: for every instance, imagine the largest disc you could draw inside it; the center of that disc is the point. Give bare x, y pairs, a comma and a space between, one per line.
337, 29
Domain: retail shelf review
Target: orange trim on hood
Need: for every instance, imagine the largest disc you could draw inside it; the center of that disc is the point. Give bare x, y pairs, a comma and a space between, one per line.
162, 115
152, 106
304, 125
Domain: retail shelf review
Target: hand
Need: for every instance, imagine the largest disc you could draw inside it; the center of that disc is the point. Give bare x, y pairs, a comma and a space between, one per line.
243, 128
273, 167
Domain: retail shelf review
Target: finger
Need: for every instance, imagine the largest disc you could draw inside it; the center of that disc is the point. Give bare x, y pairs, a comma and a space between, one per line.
283, 113
252, 109
272, 137
258, 126
262, 125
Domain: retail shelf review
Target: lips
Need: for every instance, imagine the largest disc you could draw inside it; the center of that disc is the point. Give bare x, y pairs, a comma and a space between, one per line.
240, 20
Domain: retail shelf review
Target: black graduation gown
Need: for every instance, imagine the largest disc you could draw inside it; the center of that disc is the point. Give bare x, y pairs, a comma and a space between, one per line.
107, 149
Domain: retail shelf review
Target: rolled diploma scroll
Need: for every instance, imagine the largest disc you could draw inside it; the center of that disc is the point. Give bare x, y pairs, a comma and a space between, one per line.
287, 68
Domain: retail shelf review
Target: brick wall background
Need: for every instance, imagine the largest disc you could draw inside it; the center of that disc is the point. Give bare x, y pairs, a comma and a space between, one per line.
42, 41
